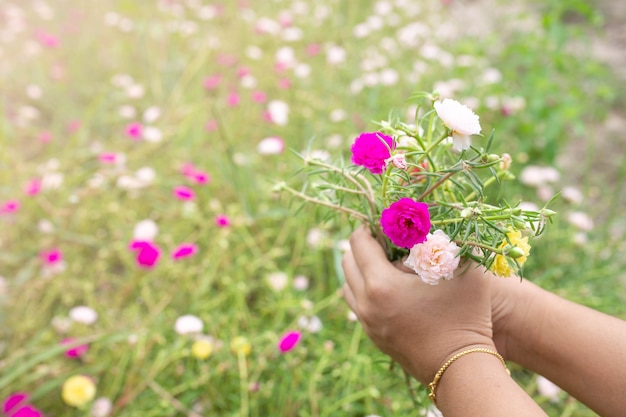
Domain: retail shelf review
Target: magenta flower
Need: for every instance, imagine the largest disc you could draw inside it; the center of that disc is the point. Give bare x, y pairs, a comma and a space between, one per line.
27, 411
371, 150
51, 257
289, 341
14, 400
134, 130
148, 253
184, 250
33, 187
75, 351
406, 222
15, 406
222, 220
184, 193
48, 40
233, 99
9, 207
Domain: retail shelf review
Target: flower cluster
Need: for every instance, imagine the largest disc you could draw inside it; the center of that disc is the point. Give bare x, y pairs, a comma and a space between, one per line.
424, 190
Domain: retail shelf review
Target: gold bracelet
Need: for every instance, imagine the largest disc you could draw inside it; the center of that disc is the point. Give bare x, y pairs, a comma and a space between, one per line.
433, 385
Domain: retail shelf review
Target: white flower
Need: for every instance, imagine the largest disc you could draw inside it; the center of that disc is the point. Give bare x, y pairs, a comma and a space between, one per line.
271, 146
101, 407
434, 259
548, 389
534, 176
151, 114
188, 324
145, 230
580, 220
83, 314
152, 134
300, 283
572, 194
311, 324
460, 119
277, 281
279, 112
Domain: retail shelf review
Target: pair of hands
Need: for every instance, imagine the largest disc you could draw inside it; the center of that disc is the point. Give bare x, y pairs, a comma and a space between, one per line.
419, 325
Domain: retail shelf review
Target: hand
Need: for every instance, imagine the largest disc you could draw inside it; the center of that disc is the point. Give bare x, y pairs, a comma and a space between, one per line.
419, 325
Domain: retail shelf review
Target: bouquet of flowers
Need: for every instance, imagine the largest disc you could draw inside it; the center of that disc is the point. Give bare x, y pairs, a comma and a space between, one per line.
423, 189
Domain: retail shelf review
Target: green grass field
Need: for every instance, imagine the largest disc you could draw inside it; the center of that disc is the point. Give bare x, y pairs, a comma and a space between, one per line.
110, 106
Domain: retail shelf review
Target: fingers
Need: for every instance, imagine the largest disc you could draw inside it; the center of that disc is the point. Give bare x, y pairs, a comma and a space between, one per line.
369, 255
354, 279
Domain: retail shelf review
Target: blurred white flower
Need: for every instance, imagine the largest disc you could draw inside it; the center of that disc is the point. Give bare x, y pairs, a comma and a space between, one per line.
122, 80
125, 24
51, 181
460, 119
548, 389
279, 112
361, 30
127, 111
492, 76
111, 19
277, 281
135, 91
572, 194
389, 76
271, 146
335, 55
383, 8
266, 25
145, 230
45, 226
315, 237
302, 70
286, 56
152, 134
83, 314
300, 283
207, 12
334, 141
352, 316
292, 34
151, 114
338, 115
34, 91
534, 175
61, 324
248, 81
145, 175
580, 220
101, 407
188, 324
311, 324
254, 52
375, 22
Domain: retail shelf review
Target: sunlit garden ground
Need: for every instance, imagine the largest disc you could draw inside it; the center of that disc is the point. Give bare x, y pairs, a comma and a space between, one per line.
149, 266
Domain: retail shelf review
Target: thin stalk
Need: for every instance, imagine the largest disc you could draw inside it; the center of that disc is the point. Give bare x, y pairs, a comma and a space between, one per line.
435, 185
314, 200
243, 377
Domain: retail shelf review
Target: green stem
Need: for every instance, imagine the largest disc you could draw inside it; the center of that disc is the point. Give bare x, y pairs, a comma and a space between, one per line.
243, 376
435, 185
486, 184
385, 181
479, 245
314, 200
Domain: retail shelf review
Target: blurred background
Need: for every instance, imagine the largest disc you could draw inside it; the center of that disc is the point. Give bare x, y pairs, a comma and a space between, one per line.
147, 264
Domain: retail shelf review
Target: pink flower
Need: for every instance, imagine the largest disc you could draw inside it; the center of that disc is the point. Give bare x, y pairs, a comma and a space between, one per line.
185, 250
48, 40
75, 351
222, 220
148, 253
243, 71
233, 99
289, 341
212, 82
371, 150
406, 222
259, 97
284, 83
73, 126
33, 187
9, 207
434, 259
313, 49
109, 158
51, 257
200, 177
134, 130
45, 137
26, 411
14, 400
184, 193
211, 126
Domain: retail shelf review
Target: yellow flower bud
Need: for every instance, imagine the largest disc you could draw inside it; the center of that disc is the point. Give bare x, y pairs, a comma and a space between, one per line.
240, 345
201, 349
78, 390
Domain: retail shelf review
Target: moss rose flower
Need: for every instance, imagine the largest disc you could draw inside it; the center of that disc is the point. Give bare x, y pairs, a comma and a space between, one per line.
371, 150
460, 119
434, 259
406, 222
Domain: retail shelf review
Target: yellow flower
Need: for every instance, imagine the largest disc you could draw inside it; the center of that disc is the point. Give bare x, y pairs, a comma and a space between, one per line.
78, 390
501, 266
201, 349
240, 345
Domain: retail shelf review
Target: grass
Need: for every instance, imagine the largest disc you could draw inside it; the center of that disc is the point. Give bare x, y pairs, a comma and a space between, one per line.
136, 358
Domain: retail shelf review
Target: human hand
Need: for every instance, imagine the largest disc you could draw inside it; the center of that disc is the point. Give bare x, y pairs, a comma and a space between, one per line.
419, 325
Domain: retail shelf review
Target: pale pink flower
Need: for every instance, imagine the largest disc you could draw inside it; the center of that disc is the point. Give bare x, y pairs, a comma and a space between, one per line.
233, 99
313, 49
212, 82
259, 97
73, 126
211, 126
134, 130
48, 40
148, 253
460, 119
289, 341
33, 187
111, 158
184, 193
271, 146
284, 83
434, 259
45, 137
9, 207
184, 250
222, 220
581, 220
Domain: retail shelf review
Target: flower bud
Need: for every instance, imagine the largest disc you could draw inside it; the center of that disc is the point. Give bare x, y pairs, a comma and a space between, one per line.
505, 162
519, 224
547, 212
515, 252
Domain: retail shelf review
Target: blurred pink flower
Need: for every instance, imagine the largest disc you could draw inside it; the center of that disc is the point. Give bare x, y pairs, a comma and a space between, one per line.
184, 193
289, 341
33, 187
284, 83
212, 82
47, 39
45, 137
73, 126
12, 401
233, 99
222, 220
109, 158
9, 207
75, 351
211, 126
226, 60
243, 71
200, 177
134, 130
185, 250
51, 257
148, 253
313, 49
259, 97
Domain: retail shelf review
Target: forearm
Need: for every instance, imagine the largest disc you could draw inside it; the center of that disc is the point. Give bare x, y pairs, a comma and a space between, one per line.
478, 385
580, 349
